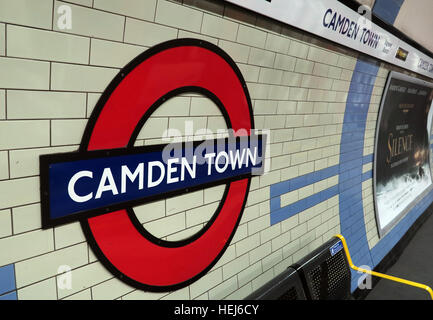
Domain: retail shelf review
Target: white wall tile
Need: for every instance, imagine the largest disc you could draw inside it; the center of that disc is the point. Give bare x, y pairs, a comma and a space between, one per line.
2, 39
110, 290
17, 247
238, 52
68, 234
250, 36
50, 264
184, 202
44, 290
25, 162
5, 223
45, 104
46, 45
85, 277
35, 13
235, 266
24, 74
277, 43
175, 15
220, 28
113, 54
26, 218
19, 192
135, 8
67, 77
67, 132
150, 211
205, 283
91, 23
224, 289
4, 165
146, 33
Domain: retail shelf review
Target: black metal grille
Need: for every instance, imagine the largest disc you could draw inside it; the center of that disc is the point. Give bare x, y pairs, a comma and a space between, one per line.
330, 279
321, 275
325, 276
290, 294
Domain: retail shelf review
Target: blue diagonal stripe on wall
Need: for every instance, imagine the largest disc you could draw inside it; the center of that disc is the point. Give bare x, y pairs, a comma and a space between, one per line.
352, 160
7, 279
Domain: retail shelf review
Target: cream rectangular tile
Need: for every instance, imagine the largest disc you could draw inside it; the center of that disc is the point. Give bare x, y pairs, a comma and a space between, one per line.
251, 36
2, 104
5, 223
26, 218
208, 281
134, 8
46, 45
41, 242
91, 23
34, 13
146, 33
24, 134
45, 105
169, 225
2, 39
178, 16
220, 28
4, 165
113, 54
110, 290
50, 264
85, 277
184, 202
44, 290
24, 74
67, 132
238, 52
150, 211
68, 235
154, 128
25, 162
68, 77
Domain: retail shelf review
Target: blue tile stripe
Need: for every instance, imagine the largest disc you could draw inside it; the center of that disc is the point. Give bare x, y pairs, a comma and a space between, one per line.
9, 296
352, 159
279, 213
387, 10
7, 279
302, 181
367, 175
368, 159
288, 211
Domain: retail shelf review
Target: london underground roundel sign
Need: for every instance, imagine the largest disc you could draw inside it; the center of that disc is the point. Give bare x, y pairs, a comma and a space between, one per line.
100, 184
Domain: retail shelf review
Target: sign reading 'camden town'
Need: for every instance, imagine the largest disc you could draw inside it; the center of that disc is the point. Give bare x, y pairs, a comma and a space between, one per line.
101, 183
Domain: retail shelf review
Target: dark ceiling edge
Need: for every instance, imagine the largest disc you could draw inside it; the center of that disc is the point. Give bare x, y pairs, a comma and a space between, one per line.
354, 5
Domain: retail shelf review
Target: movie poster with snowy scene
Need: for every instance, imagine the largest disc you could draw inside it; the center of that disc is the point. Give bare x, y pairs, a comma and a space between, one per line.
402, 157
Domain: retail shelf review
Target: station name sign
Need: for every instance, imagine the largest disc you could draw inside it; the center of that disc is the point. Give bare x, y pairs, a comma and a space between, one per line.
336, 22
82, 184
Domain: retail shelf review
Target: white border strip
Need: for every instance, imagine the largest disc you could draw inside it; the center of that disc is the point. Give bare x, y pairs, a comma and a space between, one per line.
336, 22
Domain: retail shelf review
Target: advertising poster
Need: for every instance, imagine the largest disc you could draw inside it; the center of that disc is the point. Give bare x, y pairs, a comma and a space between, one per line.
402, 157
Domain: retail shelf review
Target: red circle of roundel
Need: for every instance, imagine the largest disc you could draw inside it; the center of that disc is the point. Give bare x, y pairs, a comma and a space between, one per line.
128, 101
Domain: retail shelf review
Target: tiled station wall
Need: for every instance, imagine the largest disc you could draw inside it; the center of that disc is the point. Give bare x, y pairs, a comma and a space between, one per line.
319, 101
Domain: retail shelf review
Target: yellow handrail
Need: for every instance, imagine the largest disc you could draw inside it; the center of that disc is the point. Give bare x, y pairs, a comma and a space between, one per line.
381, 275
